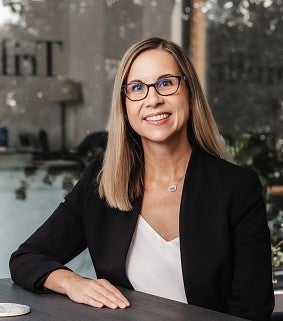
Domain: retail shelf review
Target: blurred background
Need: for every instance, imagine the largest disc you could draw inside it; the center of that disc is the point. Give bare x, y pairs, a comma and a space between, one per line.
58, 61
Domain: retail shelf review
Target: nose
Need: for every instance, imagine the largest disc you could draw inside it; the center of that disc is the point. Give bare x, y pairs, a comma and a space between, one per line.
153, 99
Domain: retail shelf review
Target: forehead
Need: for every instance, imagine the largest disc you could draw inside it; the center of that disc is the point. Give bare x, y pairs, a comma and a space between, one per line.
151, 64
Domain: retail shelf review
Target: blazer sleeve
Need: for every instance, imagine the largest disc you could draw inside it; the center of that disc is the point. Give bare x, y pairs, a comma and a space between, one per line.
252, 291
56, 242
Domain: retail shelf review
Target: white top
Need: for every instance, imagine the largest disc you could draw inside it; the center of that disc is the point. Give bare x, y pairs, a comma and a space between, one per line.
154, 265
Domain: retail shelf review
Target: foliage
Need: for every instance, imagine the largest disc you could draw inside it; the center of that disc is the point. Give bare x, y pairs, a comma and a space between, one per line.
258, 151
277, 254
254, 150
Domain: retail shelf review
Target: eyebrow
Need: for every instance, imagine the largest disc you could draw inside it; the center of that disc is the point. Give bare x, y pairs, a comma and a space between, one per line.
162, 76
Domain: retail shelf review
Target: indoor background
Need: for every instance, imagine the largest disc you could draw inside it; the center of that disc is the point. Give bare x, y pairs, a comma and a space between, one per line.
58, 61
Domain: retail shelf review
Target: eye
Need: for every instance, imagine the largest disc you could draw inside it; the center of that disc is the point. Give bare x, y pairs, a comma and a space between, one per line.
135, 87
165, 82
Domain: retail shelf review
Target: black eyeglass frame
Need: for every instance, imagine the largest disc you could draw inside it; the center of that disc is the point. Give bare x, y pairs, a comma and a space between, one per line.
180, 78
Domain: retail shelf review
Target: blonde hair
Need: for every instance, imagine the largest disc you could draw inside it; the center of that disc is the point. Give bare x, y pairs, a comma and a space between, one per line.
121, 177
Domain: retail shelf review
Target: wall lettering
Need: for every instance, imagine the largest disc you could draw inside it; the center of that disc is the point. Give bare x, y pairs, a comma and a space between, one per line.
12, 61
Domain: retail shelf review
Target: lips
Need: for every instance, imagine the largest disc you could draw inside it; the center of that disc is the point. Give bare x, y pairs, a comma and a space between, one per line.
157, 117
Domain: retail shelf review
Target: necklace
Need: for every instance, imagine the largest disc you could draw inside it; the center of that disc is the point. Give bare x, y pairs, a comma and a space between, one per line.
173, 188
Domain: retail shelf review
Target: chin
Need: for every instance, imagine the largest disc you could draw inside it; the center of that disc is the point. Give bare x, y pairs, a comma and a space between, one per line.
161, 139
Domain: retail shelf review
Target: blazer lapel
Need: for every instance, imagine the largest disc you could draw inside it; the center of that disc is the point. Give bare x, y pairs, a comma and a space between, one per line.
131, 223
188, 218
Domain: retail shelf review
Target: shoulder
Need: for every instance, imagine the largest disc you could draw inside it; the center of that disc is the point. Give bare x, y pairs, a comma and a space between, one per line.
86, 185
223, 168
237, 188
88, 180
230, 176
92, 170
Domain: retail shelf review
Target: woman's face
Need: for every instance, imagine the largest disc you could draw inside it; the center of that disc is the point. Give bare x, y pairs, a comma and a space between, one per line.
157, 118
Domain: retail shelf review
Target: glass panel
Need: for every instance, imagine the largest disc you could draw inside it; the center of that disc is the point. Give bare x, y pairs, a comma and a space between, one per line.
58, 60
243, 67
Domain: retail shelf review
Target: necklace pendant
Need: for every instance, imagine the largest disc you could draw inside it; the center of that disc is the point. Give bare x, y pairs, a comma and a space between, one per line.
172, 188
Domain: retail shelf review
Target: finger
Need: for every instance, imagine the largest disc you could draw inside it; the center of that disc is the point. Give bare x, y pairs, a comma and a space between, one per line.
118, 299
111, 299
106, 284
94, 303
104, 288
105, 300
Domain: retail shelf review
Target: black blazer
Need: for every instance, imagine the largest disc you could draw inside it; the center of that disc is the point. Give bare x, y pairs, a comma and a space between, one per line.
224, 238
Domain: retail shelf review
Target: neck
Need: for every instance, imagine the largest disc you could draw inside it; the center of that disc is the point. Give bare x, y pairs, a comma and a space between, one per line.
166, 166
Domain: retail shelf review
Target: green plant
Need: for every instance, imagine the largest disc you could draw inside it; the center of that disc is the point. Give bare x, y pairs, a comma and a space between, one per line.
254, 150
277, 254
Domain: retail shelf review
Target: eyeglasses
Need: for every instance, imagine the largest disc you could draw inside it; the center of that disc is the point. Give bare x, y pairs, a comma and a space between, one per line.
165, 86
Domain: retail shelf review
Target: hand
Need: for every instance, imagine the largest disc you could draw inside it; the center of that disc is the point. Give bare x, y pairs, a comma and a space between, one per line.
96, 293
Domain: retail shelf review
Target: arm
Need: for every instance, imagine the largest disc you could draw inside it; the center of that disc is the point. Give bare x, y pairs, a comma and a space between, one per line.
55, 242
39, 262
97, 293
252, 292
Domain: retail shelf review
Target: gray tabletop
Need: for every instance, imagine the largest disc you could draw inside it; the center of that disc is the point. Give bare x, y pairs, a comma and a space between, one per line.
143, 307
278, 300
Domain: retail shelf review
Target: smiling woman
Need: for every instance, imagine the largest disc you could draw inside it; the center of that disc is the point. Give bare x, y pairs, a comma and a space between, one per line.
159, 115
165, 212
201, 127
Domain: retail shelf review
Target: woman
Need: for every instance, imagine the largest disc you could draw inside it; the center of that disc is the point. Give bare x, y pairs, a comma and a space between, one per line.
166, 212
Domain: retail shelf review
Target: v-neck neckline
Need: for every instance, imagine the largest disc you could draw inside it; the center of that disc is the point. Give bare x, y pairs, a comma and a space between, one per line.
153, 231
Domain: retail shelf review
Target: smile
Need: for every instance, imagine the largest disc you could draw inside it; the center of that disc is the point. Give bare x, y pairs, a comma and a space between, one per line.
157, 117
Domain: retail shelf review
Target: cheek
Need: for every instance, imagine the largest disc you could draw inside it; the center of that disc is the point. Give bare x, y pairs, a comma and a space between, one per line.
128, 109
127, 112
188, 110
185, 108
132, 109
184, 99
130, 115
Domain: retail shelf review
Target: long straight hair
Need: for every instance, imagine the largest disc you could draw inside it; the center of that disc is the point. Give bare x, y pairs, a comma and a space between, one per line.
121, 178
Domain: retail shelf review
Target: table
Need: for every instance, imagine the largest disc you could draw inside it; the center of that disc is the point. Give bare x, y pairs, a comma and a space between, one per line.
278, 300
277, 314
144, 307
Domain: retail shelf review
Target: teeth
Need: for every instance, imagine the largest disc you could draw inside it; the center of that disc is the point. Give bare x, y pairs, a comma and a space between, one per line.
157, 117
